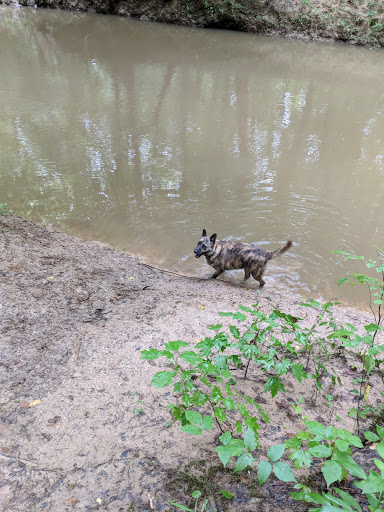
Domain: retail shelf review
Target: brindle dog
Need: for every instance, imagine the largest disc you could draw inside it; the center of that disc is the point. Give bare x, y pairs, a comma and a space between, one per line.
224, 255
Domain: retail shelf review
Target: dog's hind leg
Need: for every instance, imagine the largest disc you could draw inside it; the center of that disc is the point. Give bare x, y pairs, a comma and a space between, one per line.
261, 281
216, 274
258, 276
247, 274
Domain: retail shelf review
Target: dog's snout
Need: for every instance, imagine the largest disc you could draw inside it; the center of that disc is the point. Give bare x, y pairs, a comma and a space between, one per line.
197, 252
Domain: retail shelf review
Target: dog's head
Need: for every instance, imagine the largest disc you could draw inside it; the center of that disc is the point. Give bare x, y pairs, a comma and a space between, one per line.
206, 245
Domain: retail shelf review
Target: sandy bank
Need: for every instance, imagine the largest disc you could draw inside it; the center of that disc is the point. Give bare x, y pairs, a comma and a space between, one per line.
74, 316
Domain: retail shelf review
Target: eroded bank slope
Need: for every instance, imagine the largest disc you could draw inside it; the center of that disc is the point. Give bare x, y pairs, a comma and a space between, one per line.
352, 21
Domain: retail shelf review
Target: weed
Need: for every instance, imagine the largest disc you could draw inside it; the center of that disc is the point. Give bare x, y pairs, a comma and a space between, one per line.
277, 344
196, 495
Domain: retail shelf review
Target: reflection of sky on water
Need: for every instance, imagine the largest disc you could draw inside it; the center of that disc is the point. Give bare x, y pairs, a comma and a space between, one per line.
142, 141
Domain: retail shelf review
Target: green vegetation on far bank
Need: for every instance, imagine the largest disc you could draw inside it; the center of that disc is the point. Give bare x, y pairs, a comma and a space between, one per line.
352, 21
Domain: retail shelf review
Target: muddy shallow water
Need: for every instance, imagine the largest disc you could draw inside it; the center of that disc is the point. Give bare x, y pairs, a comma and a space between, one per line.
142, 134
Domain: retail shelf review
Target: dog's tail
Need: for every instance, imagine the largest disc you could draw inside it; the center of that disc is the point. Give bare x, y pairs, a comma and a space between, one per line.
281, 250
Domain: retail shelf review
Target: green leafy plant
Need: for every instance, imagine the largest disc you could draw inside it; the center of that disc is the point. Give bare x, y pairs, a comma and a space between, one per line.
365, 344
281, 469
3, 208
276, 344
330, 443
339, 463
374, 285
139, 410
207, 385
196, 495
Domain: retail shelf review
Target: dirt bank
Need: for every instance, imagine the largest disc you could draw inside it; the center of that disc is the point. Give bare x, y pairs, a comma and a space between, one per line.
351, 21
81, 426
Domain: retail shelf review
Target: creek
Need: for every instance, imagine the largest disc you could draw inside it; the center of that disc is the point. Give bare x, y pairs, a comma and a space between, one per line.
141, 135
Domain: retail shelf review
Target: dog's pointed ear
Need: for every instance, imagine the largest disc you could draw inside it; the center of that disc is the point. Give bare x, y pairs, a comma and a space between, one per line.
204, 233
213, 238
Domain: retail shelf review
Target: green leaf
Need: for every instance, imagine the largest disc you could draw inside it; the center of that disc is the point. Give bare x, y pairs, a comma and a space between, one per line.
283, 472
371, 327
341, 445
224, 453
374, 502
220, 414
193, 416
175, 345
264, 469
348, 499
342, 280
195, 430
380, 447
274, 384
235, 331
379, 464
275, 452
321, 450
190, 357
298, 372
341, 333
161, 379
216, 394
215, 327
226, 438
380, 431
207, 423
294, 443
246, 309
239, 316
315, 428
348, 463
250, 440
355, 441
236, 447
331, 471
150, 354
377, 349
243, 461
181, 507
227, 494
370, 436
373, 484
301, 457
221, 362
196, 494
369, 364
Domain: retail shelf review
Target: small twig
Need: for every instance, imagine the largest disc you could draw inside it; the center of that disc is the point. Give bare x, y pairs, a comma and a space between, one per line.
17, 458
104, 462
217, 421
218, 424
246, 370
28, 461
174, 273
195, 278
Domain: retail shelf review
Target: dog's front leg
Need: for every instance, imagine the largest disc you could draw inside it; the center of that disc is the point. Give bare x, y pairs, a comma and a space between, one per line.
216, 274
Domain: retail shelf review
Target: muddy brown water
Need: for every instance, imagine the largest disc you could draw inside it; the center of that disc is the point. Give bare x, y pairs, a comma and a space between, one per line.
142, 134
